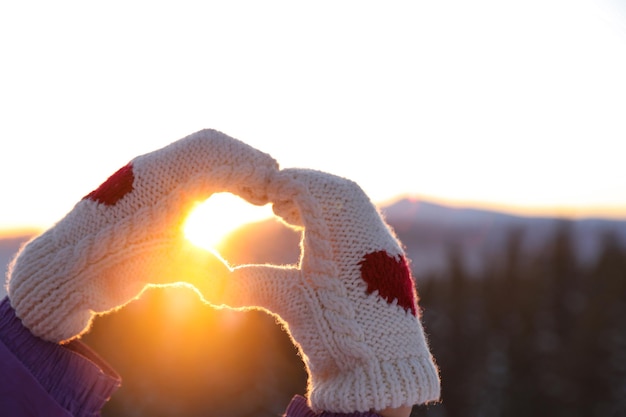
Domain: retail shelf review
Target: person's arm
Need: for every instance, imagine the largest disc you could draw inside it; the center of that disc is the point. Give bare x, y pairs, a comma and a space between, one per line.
47, 379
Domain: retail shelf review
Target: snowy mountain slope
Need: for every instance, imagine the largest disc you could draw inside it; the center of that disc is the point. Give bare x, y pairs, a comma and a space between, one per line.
429, 231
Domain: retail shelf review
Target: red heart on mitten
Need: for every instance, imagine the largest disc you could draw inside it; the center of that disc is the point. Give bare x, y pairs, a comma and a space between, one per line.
391, 277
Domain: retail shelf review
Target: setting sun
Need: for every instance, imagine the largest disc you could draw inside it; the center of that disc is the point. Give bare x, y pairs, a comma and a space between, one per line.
211, 221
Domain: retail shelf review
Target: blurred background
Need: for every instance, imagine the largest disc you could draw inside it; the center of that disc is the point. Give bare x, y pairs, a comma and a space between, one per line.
525, 316
489, 133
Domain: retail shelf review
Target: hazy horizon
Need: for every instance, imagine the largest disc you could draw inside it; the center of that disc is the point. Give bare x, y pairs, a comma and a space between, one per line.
572, 213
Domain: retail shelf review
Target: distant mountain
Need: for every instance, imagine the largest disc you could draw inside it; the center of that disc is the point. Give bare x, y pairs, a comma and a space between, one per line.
428, 231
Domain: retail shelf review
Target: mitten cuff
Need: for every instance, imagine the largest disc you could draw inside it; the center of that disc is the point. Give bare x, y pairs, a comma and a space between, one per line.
376, 386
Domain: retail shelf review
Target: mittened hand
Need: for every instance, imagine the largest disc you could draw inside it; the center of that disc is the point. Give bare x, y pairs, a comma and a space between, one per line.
128, 233
350, 306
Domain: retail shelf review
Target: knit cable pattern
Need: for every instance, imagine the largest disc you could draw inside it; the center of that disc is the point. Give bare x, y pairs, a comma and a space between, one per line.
350, 305
320, 285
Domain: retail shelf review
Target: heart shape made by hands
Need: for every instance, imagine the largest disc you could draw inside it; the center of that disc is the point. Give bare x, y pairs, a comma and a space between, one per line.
389, 276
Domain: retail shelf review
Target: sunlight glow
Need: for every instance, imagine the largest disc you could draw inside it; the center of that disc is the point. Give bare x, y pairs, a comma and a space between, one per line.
507, 103
211, 221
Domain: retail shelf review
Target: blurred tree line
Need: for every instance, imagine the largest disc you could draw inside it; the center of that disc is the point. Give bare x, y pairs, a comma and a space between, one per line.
534, 335
537, 335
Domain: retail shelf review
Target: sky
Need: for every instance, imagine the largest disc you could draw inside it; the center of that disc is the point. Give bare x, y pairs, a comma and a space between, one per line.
514, 105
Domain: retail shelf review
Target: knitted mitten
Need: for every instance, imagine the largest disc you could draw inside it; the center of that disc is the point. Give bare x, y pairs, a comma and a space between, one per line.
350, 306
128, 233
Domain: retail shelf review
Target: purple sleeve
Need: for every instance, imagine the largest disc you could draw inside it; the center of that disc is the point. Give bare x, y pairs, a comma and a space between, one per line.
44, 378
298, 407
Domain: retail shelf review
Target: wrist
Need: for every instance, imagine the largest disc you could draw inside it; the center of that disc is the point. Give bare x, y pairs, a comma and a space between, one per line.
396, 412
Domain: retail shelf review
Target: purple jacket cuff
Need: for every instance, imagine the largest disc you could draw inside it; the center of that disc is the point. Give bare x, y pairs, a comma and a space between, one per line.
298, 407
64, 380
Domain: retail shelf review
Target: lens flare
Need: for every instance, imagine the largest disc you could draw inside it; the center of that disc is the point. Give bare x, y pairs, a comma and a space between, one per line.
211, 221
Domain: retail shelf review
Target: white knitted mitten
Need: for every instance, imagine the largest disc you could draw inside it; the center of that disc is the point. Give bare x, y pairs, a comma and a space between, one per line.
128, 233
350, 306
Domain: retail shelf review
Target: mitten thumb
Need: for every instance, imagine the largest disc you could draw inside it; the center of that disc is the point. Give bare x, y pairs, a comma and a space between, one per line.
267, 287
